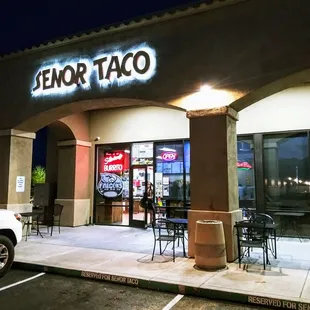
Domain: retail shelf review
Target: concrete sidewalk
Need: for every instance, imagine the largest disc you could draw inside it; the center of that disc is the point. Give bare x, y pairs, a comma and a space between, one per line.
278, 286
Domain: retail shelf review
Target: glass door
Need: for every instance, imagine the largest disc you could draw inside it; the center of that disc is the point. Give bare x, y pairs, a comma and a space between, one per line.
141, 182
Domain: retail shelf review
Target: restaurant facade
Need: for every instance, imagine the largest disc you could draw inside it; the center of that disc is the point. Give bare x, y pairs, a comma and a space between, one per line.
204, 107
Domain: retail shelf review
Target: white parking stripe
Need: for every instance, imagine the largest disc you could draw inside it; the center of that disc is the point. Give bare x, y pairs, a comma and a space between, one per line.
173, 302
21, 282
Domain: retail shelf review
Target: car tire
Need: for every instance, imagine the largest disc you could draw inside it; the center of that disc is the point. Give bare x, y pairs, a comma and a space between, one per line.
8, 252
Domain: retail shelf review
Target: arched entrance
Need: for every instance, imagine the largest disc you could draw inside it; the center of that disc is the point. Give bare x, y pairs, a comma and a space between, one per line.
71, 143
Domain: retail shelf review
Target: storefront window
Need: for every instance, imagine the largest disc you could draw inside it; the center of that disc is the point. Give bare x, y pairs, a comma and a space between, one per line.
287, 179
142, 154
245, 168
112, 185
169, 171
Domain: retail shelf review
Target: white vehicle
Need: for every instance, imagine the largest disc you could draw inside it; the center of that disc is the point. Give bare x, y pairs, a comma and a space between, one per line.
10, 235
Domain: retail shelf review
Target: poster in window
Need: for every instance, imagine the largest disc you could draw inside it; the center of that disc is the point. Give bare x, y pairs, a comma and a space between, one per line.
167, 168
176, 167
166, 180
142, 154
158, 184
166, 191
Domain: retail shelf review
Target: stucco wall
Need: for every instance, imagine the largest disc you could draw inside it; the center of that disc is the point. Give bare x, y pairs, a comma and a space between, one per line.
240, 48
284, 111
138, 124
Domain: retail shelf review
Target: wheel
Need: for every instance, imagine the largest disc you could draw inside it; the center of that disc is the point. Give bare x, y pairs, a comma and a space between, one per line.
7, 253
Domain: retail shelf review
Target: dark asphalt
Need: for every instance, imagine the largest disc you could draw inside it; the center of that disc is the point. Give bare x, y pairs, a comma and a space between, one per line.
57, 292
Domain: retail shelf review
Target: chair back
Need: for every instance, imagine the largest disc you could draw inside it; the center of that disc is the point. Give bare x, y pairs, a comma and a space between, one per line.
248, 213
162, 227
263, 218
57, 209
250, 231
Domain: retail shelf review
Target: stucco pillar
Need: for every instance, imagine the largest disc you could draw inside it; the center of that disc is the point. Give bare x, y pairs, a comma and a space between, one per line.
15, 167
73, 182
214, 180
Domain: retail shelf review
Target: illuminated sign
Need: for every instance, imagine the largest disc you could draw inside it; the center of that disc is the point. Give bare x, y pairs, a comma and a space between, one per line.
169, 156
113, 162
107, 69
243, 165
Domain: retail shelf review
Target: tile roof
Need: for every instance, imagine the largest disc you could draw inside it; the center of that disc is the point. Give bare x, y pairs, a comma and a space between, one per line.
178, 12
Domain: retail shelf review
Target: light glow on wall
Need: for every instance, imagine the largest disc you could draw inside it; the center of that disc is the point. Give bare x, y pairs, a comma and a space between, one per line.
117, 68
206, 97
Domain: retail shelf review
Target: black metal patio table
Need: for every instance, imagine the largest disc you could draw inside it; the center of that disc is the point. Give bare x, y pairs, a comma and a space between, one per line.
179, 225
272, 235
28, 221
289, 218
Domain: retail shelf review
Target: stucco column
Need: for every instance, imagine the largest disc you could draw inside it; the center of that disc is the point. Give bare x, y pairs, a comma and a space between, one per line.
15, 169
214, 180
73, 182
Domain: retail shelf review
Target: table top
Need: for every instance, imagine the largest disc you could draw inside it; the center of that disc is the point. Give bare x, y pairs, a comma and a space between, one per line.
290, 213
173, 207
267, 225
33, 213
178, 221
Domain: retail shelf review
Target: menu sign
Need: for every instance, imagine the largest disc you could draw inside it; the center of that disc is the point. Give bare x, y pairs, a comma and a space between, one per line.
142, 154
113, 162
110, 185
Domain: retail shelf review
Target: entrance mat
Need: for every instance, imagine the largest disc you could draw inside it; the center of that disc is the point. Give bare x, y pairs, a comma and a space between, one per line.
242, 298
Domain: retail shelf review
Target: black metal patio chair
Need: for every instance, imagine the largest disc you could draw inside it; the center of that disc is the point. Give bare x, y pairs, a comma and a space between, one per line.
272, 238
163, 232
251, 235
57, 211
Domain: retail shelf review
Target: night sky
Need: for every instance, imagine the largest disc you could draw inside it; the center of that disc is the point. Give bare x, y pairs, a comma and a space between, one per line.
24, 24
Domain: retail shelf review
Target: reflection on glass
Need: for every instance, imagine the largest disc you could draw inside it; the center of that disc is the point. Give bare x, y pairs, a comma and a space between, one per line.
286, 169
245, 168
287, 180
112, 185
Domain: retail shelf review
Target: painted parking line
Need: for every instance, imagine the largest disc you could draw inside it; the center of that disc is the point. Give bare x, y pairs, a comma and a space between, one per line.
173, 302
21, 282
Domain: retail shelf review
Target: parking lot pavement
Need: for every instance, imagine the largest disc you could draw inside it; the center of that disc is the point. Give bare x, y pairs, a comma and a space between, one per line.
23, 290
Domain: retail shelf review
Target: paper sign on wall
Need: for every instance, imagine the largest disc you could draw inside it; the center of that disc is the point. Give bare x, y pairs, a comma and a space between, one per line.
158, 184
20, 184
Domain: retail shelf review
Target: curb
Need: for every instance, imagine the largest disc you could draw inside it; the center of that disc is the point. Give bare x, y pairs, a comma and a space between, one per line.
169, 287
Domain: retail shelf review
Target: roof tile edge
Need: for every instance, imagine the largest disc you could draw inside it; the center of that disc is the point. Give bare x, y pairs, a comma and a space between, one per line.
144, 21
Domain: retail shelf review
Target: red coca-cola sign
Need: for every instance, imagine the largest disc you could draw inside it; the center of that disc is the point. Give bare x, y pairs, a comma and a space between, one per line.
113, 162
169, 156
